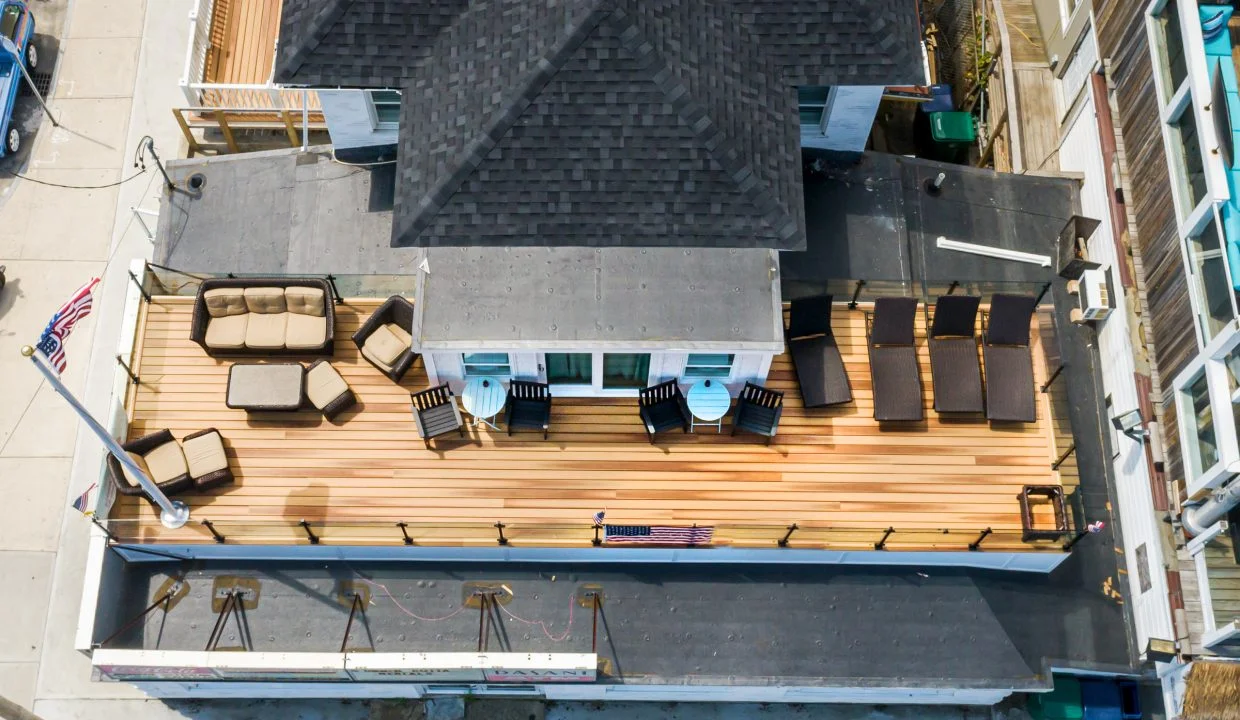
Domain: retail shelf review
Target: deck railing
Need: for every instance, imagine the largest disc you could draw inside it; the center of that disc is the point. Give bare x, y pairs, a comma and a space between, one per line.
792, 536
196, 54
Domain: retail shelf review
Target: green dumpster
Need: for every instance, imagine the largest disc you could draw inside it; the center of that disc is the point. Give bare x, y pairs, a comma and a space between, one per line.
1062, 703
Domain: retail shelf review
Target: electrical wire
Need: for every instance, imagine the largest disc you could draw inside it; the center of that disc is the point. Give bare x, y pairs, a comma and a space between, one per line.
543, 625
388, 593
27, 178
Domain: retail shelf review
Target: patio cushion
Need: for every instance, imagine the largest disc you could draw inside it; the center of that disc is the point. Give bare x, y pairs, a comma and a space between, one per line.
384, 346
227, 332
304, 332
265, 331
401, 334
222, 302
304, 300
265, 300
141, 465
324, 384
204, 454
165, 462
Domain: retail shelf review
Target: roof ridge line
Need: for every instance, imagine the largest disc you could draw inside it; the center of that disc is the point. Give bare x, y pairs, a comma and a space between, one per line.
778, 218
317, 29
473, 155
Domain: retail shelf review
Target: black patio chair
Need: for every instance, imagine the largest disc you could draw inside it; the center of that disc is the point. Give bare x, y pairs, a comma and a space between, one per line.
436, 414
758, 411
1009, 359
663, 407
954, 365
815, 356
528, 406
894, 370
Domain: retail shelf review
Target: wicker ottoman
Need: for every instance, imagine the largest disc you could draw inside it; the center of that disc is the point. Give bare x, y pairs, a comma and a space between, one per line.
328, 391
208, 463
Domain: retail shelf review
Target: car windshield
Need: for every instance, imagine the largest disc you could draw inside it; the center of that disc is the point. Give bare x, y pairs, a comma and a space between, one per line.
8, 21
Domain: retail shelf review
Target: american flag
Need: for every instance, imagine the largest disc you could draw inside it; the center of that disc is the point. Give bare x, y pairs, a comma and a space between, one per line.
82, 500
659, 535
51, 342
598, 517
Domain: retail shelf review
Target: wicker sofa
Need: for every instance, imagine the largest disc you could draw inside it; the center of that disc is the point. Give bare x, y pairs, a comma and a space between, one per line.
198, 462
264, 316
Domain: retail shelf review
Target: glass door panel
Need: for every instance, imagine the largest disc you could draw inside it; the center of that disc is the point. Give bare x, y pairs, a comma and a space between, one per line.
569, 368
625, 370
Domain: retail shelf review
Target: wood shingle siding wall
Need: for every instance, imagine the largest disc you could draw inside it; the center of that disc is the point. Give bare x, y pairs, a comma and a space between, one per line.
1124, 45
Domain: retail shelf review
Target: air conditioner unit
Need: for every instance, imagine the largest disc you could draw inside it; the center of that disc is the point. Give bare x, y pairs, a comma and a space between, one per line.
1097, 295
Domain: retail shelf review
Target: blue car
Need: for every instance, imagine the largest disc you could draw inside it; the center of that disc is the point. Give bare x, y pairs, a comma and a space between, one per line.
17, 27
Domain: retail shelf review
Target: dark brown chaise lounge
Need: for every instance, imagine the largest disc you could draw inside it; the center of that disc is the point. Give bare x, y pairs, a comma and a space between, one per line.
435, 413
815, 356
384, 339
528, 406
954, 365
894, 370
1009, 359
758, 411
663, 407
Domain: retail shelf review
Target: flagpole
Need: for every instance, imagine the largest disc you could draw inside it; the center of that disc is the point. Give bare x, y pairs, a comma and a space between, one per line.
173, 513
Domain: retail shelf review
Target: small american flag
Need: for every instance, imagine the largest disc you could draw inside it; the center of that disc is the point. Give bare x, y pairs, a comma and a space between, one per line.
598, 517
659, 535
51, 342
83, 500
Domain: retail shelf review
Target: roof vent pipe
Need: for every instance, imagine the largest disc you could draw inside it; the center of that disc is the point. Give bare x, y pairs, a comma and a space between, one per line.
1198, 518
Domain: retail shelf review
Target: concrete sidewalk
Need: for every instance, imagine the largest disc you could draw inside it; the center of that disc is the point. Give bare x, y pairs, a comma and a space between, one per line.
116, 80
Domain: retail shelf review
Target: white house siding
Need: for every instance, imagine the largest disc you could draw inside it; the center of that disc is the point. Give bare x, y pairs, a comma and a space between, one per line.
1082, 153
348, 120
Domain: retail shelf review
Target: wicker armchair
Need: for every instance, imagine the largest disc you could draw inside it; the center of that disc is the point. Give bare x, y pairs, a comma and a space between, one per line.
392, 322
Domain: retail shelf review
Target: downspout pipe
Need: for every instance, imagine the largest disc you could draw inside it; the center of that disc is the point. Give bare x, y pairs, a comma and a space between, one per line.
1199, 518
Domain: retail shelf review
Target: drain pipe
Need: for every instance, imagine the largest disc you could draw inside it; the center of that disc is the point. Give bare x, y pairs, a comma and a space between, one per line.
1198, 518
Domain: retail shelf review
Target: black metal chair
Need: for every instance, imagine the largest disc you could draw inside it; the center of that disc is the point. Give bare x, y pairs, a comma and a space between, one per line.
815, 355
954, 364
436, 414
528, 406
894, 370
663, 407
1009, 359
758, 411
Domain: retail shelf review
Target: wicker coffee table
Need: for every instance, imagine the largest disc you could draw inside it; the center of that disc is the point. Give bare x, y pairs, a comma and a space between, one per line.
255, 387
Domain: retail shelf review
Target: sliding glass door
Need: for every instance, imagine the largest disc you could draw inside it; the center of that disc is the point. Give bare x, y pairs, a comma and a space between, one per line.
570, 369
596, 373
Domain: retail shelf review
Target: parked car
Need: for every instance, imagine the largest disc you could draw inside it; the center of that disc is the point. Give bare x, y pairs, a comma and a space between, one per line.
17, 29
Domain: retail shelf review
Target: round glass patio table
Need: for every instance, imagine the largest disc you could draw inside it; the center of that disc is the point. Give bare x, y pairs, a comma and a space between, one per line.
483, 397
708, 402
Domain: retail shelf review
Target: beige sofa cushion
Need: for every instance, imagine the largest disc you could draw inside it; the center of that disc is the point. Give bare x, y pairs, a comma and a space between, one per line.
304, 332
383, 346
401, 334
204, 454
222, 302
141, 465
265, 300
265, 331
228, 332
324, 384
304, 300
165, 462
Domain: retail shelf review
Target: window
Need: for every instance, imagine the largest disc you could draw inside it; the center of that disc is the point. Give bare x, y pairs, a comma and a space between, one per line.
810, 102
9, 21
625, 370
570, 368
1171, 63
384, 109
487, 364
1189, 166
1203, 447
708, 365
1210, 281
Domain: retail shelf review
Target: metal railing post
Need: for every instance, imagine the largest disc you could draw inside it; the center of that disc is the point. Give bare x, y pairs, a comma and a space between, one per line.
882, 544
597, 540
331, 280
214, 533
952, 288
1071, 449
146, 295
1045, 289
404, 532
852, 304
783, 542
121, 361
314, 539
502, 540
110, 535
1046, 386
977, 544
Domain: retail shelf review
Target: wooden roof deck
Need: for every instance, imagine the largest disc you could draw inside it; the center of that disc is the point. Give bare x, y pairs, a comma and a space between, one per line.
834, 472
243, 41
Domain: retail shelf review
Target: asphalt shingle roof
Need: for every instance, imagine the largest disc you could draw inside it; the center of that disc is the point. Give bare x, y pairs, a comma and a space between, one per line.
598, 122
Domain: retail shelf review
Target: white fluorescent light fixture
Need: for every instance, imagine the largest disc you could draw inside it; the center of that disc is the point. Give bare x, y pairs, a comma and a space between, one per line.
994, 252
